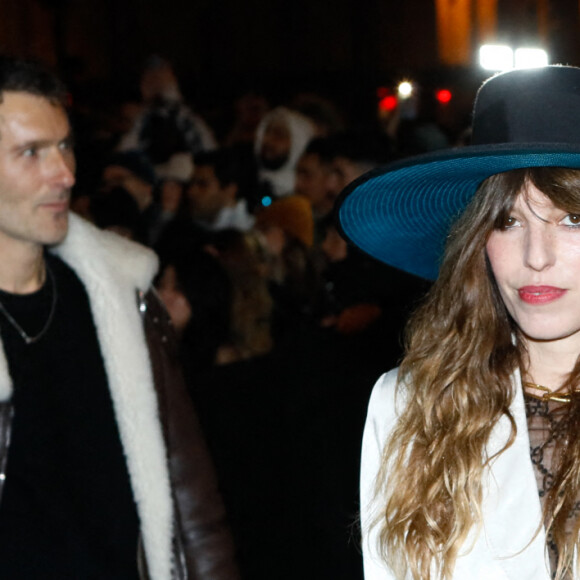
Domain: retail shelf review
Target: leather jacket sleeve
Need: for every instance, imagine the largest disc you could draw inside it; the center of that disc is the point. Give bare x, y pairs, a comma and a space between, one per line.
204, 548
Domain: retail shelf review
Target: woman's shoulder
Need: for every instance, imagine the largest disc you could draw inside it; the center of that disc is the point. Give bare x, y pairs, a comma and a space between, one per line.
388, 396
384, 407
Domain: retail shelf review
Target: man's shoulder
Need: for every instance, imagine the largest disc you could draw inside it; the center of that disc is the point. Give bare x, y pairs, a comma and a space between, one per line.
96, 254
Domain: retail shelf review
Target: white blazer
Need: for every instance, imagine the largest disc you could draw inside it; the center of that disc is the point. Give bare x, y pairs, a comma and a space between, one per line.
511, 505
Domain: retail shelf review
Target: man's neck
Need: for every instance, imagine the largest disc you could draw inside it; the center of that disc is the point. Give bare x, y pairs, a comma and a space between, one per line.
22, 271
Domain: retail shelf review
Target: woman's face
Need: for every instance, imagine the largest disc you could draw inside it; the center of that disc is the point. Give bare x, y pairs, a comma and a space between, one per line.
535, 259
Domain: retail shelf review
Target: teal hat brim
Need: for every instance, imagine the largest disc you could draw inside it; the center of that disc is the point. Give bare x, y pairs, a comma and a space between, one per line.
401, 213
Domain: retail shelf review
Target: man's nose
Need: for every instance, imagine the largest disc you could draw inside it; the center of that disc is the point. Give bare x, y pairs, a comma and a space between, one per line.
63, 168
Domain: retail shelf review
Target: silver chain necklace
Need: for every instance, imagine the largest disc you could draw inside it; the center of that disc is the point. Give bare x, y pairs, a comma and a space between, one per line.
32, 339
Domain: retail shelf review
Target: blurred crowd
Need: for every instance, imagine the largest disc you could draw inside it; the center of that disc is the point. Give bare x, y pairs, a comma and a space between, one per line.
283, 327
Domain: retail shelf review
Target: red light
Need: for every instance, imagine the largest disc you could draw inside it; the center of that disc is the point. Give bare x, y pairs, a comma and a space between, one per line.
443, 96
388, 103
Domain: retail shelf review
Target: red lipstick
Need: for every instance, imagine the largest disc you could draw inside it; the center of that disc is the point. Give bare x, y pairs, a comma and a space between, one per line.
540, 294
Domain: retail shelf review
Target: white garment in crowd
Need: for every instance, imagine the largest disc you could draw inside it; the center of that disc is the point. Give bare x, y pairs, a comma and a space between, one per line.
301, 130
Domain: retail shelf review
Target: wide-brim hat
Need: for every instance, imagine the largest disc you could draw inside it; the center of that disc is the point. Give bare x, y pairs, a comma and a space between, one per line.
401, 213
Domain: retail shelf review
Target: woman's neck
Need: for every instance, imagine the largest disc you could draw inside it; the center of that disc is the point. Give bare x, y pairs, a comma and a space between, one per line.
551, 362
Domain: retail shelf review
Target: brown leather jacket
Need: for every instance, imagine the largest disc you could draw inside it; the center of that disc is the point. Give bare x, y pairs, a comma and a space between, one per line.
203, 547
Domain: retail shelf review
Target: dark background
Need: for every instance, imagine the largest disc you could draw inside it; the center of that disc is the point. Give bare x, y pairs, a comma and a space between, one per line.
340, 49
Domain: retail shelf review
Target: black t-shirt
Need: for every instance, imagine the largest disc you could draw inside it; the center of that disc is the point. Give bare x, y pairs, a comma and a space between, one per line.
67, 509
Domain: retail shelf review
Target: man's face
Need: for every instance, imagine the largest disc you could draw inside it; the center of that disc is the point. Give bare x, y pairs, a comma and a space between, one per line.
313, 182
36, 171
205, 194
276, 144
344, 171
159, 82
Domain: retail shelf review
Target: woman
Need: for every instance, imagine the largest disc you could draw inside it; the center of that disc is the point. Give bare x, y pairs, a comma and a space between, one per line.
471, 454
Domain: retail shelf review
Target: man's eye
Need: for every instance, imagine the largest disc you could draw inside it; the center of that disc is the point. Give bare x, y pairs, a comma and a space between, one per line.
30, 152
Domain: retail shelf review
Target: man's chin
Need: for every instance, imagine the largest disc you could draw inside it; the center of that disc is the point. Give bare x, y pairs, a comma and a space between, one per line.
58, 235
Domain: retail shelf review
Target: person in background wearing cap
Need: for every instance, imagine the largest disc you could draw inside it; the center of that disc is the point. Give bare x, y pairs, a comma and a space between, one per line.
471, 455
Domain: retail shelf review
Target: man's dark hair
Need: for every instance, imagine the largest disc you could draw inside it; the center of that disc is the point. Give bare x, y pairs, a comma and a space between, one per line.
22, 75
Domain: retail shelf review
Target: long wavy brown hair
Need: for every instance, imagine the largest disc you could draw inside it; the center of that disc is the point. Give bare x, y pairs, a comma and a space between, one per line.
462, 348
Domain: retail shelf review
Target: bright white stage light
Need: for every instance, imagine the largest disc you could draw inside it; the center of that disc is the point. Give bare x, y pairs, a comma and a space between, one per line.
496, 57
530, 57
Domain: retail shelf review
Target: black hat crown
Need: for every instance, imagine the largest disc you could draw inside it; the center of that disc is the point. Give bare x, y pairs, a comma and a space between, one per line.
540, 105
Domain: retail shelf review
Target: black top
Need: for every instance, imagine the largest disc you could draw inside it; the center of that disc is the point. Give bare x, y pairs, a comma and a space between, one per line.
67, 509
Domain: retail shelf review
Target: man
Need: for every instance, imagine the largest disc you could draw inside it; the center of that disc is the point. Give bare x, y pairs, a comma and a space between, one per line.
212, 203
314, 176
355, 153
101, 455
131, 171
213, 193
167, 130
281, 138
125, 199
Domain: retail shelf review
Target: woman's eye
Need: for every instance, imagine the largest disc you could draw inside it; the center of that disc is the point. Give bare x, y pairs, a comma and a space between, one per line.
572, 219
510, 222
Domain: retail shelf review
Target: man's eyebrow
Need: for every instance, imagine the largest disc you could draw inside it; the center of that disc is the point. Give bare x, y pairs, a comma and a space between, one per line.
38, 143
41, 143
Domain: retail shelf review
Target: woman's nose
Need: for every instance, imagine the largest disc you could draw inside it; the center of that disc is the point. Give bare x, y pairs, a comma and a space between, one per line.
539, 250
